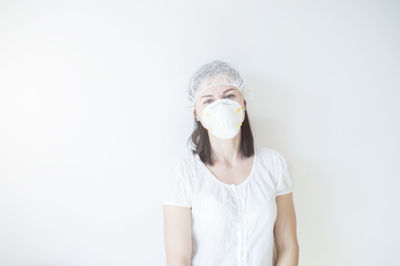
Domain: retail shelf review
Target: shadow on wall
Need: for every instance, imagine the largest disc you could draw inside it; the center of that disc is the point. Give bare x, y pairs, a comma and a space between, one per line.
270, 115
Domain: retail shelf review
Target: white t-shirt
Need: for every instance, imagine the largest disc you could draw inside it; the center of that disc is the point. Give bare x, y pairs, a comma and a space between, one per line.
232, 225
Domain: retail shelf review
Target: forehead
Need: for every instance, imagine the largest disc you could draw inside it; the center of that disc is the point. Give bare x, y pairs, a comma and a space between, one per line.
217, 90
215, 84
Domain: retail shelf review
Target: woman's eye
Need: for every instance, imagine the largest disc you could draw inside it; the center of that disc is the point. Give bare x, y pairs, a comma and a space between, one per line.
229, 96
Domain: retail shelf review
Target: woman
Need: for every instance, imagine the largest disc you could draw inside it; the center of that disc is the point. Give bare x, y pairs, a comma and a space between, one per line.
229, 202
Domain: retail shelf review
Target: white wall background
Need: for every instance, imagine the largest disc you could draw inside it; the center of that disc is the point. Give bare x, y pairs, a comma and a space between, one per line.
93, 114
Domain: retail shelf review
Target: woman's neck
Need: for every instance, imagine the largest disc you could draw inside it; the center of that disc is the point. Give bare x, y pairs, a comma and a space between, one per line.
226, 151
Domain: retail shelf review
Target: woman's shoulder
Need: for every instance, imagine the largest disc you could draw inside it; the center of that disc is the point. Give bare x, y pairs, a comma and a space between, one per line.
188, 158
186, 162
191, 161
265, 152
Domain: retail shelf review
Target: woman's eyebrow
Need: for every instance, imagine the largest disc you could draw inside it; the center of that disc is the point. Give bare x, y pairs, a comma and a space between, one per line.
229, 90
211, 95
205, 96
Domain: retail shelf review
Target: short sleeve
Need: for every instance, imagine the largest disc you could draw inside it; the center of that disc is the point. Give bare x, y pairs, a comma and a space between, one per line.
178, 186
284, 178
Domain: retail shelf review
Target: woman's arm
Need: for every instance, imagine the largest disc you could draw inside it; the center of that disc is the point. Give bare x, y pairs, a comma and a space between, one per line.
177, 235
285, 232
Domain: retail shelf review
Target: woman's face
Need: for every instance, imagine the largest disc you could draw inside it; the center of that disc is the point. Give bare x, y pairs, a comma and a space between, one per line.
217, 92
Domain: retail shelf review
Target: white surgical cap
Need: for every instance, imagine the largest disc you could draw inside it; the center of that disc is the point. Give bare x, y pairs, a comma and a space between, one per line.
211, 74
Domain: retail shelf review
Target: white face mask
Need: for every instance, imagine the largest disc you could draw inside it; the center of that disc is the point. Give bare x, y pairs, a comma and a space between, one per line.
223, 118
